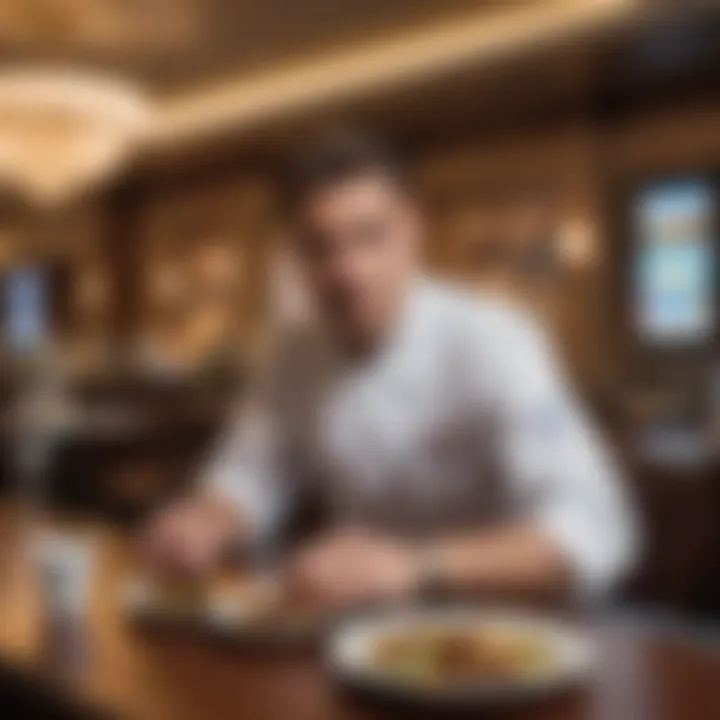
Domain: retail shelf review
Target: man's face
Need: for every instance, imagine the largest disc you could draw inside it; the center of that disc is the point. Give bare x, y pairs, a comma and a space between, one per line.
358, 243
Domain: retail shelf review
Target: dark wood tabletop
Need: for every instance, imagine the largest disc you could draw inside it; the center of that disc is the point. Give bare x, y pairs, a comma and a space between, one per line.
152, 675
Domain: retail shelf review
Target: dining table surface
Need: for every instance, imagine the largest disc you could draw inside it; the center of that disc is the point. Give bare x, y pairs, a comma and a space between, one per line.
142, 673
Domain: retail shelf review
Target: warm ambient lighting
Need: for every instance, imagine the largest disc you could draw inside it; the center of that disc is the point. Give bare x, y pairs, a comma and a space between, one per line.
62, 133
106, 26
474, 39
575, 243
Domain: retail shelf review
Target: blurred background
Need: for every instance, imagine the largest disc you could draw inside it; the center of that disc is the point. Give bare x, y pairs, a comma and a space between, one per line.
568, 152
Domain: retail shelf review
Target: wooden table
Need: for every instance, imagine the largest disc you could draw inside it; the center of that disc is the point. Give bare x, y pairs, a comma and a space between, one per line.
175, 676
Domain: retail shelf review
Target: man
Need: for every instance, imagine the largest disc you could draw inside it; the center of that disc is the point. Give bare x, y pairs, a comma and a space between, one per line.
434, 426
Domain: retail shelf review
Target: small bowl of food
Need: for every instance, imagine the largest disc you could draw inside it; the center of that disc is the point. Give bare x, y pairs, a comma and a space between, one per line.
260, 609
165, 599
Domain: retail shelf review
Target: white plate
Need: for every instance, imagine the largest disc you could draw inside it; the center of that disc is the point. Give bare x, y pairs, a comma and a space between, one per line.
139, 599
227, 612
350, 655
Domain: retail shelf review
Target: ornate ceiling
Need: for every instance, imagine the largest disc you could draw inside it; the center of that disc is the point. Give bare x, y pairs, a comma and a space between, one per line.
175, 43
103, 26
254, 67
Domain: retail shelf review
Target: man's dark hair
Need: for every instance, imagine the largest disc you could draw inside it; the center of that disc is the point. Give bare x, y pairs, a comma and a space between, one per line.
334, 156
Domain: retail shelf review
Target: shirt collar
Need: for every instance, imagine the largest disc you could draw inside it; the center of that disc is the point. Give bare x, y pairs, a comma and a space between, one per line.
409, 324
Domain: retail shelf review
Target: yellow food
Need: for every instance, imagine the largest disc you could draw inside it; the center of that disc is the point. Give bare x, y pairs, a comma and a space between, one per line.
460, 656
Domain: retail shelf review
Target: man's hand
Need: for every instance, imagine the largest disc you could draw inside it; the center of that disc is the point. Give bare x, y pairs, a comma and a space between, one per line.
188, 538
354, 568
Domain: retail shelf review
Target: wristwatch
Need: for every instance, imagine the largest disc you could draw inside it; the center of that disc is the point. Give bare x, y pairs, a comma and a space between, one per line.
430, 583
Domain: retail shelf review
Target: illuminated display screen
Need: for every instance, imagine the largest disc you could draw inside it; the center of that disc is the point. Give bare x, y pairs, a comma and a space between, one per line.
26, 309
674, 264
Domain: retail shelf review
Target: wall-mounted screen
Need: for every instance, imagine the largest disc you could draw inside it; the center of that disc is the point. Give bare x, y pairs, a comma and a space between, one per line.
674, 263
26, 309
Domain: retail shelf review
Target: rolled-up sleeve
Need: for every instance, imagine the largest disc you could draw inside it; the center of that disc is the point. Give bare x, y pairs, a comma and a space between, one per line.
560, 473
246, 470
257, 465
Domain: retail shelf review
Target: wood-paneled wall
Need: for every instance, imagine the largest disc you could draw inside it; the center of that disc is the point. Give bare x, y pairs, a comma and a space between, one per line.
202, 261
555, 170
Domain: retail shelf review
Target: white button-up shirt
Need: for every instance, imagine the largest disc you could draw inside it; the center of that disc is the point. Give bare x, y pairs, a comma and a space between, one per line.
461, 420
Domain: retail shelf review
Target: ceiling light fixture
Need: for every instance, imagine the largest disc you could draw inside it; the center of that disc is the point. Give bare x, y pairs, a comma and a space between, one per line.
63, 133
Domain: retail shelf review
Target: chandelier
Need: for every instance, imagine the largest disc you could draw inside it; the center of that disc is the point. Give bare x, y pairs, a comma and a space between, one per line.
62, 132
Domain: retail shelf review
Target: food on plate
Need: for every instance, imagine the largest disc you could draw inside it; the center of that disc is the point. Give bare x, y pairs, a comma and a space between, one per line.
458, 656
177, 597
255, 603
265, 603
